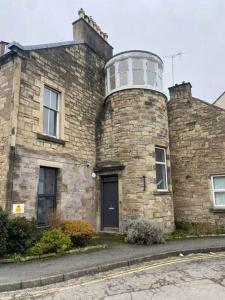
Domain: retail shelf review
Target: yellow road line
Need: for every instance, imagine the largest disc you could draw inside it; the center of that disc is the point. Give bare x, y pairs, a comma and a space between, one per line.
147, 266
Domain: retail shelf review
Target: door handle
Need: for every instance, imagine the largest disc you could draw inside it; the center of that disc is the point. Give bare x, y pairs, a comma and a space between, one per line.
111, 208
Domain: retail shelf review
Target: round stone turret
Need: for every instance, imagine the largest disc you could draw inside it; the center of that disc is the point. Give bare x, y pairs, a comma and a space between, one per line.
134, 69
133, 142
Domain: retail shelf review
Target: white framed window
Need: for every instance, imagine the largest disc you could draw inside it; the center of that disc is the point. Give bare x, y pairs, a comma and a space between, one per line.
51, 112
151, 72
218, 185
161, 169
123, 72
138, 71
112, 78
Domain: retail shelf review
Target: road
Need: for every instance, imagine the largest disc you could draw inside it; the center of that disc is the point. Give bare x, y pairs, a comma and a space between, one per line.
188, 278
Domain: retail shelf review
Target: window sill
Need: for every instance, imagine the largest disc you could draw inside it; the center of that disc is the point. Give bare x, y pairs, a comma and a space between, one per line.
158, 193
50, 139
217, 210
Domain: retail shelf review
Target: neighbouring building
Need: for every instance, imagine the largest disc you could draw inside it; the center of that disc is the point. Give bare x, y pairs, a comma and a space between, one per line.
220, 101
91, 136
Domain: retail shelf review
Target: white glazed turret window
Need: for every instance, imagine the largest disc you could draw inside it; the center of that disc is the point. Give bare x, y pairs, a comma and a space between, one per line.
151, 73
160, 77
138, 71
134, 69
123, 72
112, 78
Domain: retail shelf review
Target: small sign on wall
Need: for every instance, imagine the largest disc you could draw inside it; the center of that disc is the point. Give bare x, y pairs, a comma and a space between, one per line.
18, 208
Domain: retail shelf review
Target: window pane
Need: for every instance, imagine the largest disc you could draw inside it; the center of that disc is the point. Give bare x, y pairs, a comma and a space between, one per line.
220, 198
138, 77
112, 71
159, 83
112, 83
54, 100
47, 97
123, 66
52, 122
50, 180
151, 78
160, 155
150, 65
160, 72
219, 182
45, 120
161, 177
151, 73
45, 209
138, 71
41, 181
112, 79
137, 63
123, 79
123, 72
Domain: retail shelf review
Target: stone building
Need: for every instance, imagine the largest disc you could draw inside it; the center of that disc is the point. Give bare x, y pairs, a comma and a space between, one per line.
89, 135
197, 146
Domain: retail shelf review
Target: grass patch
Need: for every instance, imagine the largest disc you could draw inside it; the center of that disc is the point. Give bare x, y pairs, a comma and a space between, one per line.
107, 238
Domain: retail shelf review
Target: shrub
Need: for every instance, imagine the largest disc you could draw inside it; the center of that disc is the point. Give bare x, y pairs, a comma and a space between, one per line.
52, 241
22, 234
79, 231
143, 232
4, 220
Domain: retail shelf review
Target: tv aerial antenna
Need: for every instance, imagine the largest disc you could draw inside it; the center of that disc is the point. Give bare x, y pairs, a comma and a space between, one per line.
172, 57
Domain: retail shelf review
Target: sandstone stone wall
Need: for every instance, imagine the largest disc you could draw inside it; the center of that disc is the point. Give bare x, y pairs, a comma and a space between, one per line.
132, 123
77, 73
197, 147
6, 97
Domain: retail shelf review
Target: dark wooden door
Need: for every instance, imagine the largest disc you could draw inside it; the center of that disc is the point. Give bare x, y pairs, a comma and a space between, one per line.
110, 208
46, 195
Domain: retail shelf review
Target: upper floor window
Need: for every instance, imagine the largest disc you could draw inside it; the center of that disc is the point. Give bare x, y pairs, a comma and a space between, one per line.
51, 112
151, 72
161, 169
138, 71
218, 183
123, 72
112, 77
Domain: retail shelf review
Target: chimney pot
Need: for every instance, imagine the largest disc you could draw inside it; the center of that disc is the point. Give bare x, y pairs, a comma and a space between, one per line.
85, 29
181, 91
81, 13
86, 18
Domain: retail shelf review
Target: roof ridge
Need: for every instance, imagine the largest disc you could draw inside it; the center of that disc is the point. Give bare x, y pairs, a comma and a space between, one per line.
209, 104
44, 46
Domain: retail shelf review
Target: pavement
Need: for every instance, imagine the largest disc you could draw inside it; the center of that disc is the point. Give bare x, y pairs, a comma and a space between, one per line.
43, 272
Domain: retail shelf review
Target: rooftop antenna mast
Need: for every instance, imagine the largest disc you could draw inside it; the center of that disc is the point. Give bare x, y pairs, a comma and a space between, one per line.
173, 56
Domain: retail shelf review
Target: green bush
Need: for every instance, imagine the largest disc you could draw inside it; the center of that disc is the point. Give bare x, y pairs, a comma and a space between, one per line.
4, 220
79, 231
22, 234
143, 232
52, 241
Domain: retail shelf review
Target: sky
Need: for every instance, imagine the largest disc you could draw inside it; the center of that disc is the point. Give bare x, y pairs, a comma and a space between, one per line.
166, 27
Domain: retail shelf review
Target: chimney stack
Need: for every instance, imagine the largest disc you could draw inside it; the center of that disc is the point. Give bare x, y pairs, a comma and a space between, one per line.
85, 29
3, 47
181, 91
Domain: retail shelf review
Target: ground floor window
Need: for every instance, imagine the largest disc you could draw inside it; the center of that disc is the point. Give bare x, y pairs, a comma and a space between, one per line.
47, 189
161, 169
218, 184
